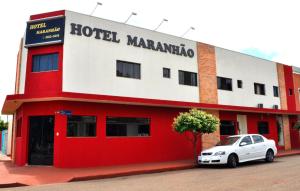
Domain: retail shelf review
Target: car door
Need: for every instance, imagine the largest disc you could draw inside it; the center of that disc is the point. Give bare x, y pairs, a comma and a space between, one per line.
259, 146
245, 150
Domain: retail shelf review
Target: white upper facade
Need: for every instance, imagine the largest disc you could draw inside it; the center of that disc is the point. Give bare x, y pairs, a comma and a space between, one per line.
90, 61
89, 64
250, 70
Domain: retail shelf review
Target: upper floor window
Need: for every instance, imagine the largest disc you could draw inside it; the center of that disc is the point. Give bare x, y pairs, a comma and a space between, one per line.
45, 62
224, 83
259, 89
166, 72
128, 69
275, 91
187, 78
290, 91
240, 84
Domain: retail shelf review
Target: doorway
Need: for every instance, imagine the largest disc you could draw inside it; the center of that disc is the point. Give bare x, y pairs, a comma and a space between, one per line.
41, 139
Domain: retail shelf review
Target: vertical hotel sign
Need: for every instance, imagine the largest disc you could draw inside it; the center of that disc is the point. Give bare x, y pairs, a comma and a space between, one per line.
45, 31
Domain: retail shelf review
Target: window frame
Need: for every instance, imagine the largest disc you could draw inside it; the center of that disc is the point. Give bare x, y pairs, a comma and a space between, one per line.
191, 74
258, 127
44, 54
119, 136
221, 126
240, 84
128, 63
259, 84
275, 91
168, 72
221, 79
96, 124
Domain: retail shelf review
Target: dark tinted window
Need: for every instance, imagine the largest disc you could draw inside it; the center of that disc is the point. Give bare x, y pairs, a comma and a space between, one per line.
275, 91
187, 78
45, 62
227, 127
166, 73
240, 84
259, 89
290, 91
224, 83
81, 126
257, 139
263, 127
128, 69
127, 126
247, 140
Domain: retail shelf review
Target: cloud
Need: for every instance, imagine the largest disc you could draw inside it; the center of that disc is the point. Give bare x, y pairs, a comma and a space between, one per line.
260, 53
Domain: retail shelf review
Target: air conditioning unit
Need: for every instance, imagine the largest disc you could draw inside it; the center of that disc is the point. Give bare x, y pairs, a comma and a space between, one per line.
275, 106
260, 105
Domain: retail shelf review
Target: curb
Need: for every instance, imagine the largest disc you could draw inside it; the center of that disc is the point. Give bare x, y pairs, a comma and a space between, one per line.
137, 172
288, 154
10, 185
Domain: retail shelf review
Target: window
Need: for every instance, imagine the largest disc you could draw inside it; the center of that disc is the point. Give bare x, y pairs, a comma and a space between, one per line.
81, 126
227, 127
19, 128
247, 140
275, 91
224, 83
45, 62
128, 69
259, 89
290, 91
187, 78
240, 84
127, 126
257, 139
166, 73
263, 127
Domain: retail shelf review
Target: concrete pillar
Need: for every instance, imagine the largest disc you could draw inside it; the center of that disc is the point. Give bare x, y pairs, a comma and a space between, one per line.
210, 140
286, 132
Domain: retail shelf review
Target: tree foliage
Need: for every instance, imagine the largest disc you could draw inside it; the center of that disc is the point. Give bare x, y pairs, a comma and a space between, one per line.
197, 123
3, 125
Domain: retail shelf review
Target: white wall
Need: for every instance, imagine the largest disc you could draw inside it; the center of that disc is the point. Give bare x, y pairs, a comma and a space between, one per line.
248, 69
89, 65
23, 65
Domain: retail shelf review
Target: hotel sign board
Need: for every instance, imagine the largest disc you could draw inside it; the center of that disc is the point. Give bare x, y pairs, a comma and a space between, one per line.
45, 31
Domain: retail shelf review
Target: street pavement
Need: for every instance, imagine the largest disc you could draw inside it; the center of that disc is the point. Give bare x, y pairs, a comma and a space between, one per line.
282, 174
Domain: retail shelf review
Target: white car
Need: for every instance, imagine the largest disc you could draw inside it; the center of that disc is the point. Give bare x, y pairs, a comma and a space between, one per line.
239, 148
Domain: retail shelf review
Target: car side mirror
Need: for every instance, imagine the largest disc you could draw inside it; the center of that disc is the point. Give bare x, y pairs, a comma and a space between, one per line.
243, 144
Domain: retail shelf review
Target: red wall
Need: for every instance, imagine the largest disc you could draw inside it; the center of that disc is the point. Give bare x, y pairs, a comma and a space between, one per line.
163, 144
47, 83
289, 84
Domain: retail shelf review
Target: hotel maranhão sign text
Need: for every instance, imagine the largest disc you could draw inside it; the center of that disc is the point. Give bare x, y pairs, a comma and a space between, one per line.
111, 36
45, 31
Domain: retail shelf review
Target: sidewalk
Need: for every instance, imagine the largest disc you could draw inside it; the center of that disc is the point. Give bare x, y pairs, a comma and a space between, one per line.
11, 175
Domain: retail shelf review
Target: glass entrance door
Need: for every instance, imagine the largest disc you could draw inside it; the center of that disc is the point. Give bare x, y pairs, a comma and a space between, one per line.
41, 139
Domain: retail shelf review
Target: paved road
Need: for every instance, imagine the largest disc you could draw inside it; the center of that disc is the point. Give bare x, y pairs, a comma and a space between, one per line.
283, 174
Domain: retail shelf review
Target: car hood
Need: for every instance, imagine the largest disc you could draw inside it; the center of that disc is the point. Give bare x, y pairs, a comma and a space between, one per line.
218, 148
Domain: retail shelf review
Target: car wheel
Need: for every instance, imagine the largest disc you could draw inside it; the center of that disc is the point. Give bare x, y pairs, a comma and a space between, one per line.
232, 161
269, 156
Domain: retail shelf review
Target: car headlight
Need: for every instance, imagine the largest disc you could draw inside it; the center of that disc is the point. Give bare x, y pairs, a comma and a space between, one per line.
220, 153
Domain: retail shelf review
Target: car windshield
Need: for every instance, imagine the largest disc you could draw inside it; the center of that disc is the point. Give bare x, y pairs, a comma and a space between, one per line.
228, 141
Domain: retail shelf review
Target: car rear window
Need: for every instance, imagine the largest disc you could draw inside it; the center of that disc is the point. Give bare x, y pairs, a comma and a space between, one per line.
257, 139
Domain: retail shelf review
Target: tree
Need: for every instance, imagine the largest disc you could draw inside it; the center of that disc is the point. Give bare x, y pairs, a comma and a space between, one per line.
195, 123
3, 125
